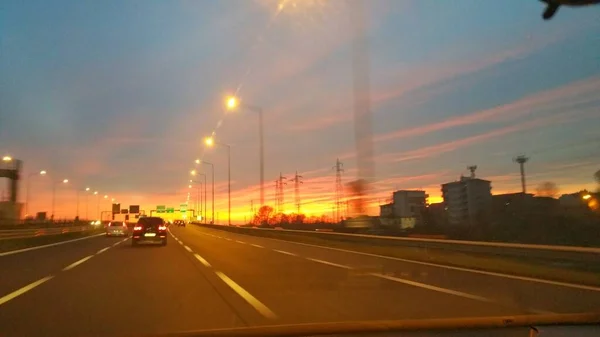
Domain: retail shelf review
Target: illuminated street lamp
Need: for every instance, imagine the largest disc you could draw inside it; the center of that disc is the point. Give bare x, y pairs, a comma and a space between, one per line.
210, 141
232, 103
193, 172
198, 161
65, 181
97, 204
7, 159
87, 189
586, 196
41, 173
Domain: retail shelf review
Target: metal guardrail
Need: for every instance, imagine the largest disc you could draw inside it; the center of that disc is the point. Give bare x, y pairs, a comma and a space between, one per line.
569, 254
36, 232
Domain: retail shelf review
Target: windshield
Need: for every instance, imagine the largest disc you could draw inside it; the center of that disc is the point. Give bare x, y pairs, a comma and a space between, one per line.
295, 161
151, 221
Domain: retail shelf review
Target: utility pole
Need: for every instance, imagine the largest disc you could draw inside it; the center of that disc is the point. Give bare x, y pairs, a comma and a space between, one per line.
521, 160
297, 181
279, 183
338, 188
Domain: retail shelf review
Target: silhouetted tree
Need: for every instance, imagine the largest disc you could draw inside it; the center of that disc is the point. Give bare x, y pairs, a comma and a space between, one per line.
547, 189
263, 215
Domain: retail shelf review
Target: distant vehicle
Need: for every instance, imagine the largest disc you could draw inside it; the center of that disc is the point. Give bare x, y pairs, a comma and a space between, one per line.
179, 223
117, 228
95, 222
150, 230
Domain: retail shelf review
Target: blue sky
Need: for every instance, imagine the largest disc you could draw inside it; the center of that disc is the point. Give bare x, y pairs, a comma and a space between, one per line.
118, 95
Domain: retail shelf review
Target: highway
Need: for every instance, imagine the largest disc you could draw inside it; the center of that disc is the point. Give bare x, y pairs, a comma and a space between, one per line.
206, 278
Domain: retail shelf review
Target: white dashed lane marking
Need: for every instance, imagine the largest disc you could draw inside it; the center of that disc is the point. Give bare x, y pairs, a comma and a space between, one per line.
253, 301
257, 246
202, 260
102, 250
23, 290
329, 263
188, 248
284, 252
76, 263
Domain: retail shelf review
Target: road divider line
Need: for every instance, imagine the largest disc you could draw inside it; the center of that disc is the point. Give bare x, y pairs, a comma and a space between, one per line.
49, 245
255, 245
437, 265
102, 250
242, 242
202, 260
187, 248
179, 242
253, 301
284, 252
23, 290
75, 264
434, 288
329, 263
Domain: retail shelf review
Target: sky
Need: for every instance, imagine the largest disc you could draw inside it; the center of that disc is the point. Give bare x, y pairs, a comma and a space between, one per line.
117, 96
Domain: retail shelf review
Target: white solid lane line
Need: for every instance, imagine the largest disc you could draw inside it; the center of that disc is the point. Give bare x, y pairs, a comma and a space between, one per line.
102, 250
75, 264
188, 248
238, 241
284, 252
434, 288
329, 263
116, 243
48, 245
23, 290
202, 260
257, 246
253, 301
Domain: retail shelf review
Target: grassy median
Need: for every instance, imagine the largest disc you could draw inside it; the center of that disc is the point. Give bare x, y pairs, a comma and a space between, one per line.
484, 262
7, 245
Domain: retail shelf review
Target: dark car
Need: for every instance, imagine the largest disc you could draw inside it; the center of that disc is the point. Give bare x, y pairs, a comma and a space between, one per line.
179, 223
149, 230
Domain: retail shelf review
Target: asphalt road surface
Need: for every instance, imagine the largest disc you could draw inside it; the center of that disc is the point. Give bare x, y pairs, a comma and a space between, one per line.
206, 278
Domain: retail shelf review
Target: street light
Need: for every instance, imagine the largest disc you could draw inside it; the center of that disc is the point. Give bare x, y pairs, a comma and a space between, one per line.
87, 189
6, 159
42, 173
232, 103
65, 181
203, 175
198, 161
587, 196
209, 141
97, 204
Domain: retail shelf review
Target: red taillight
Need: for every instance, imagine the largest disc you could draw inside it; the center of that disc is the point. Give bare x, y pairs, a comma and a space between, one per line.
162, 228
137, 228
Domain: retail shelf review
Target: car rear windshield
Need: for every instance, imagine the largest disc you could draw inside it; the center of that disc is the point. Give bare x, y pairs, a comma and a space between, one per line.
150, 221
115, 224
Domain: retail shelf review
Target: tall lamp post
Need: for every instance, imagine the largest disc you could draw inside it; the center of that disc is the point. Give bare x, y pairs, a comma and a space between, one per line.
232, 103
41, 173
87, 189
97, 205
210, 141
64, 181
212, 171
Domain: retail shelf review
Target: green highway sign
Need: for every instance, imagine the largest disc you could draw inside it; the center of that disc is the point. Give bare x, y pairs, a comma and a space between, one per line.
160, 209
170, 210
183, 208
